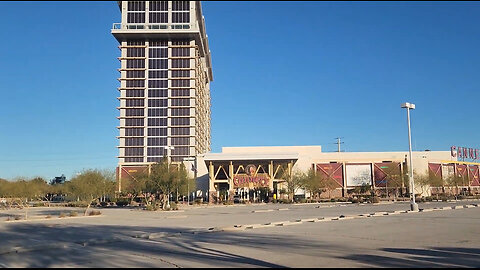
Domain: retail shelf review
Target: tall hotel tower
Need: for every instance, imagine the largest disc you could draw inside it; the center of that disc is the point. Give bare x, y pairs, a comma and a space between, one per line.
165, 74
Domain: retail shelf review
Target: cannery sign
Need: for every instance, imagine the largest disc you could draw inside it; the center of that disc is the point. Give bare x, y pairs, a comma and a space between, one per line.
251, 178
464, 152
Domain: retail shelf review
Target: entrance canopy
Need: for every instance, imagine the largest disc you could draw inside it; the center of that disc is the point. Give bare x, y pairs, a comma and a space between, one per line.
244, 170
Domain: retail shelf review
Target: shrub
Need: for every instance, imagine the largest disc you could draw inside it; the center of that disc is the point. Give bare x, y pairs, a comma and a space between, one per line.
62, 215
94, 213
354, 200
152, 207
17, 218
48, 216
173, 206
122, 202
198, 201
73, 214
103, 204
374, 199
77, 204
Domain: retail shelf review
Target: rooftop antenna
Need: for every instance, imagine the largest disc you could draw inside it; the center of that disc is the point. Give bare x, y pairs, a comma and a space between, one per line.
338, 143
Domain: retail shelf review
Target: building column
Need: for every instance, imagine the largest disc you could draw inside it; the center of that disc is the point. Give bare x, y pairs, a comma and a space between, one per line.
231, 190
344, 176
211, 186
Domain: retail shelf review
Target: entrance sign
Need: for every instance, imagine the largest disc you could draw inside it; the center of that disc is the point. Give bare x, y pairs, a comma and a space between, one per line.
464, 152
250, 181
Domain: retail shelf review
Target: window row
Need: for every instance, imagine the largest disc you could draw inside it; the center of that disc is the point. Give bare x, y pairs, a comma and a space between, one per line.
135, 52
181, 151
135, 73
134, 112
136, 42
135, 83
157, 141
158, 63
134, 103
180, 73
130, 159
157, 132
157, 83
157, 112
180, 92
180, 121
134, 151
180, 17
180, 5
136, 6
133, 141
157, 93
180, 141
180, 131
180, 52
135, 63
134, 132
158, 43
156, 151
180, 102
134, 122
158, 17
180, 112
180, 83
158, 103
158, 6
180, 63
135, 93
157, 74
158, 52
157, 122
136, 17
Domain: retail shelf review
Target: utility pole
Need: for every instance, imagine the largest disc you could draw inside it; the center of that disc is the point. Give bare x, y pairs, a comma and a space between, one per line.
338, 143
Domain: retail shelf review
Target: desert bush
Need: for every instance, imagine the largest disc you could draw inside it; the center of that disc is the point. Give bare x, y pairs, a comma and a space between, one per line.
94, 213
374, 199
73, 214
62, 215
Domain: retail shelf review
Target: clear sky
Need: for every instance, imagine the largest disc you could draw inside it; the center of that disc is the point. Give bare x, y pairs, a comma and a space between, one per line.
285, 73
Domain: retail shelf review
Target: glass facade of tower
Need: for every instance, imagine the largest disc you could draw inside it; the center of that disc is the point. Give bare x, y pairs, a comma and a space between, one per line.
165, 73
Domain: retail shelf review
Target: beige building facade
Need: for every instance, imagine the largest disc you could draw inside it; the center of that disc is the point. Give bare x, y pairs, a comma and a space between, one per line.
229, 174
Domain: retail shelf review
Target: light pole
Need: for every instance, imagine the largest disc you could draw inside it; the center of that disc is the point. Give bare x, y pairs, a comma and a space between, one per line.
194, 175
168, 148
413, 204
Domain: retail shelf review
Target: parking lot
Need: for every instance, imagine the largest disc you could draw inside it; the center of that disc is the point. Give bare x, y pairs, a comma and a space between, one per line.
263, 235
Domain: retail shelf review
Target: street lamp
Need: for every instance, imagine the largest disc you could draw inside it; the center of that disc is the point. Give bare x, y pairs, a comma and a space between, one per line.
413, 205
168, 148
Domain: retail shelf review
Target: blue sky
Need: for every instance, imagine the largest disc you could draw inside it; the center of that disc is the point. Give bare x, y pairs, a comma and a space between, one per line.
285, 73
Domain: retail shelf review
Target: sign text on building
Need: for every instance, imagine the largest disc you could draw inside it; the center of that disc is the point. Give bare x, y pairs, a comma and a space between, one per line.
464, 152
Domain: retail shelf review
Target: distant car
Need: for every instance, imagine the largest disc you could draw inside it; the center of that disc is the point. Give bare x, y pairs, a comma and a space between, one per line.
236, 199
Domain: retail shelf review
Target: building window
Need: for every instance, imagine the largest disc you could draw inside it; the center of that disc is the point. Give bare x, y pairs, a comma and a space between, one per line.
134, 122
157, 112
180, 141
180, 131
136, 12
180, 92
134, 132
157, 93
134, 151
134, 102
134, 112
157, 141
180, 111
134, 142
157, 122
135, 93
180, 121
157, 132
180, 102
180, 11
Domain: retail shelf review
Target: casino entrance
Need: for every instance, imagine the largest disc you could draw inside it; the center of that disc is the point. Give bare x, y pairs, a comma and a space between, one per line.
247, 178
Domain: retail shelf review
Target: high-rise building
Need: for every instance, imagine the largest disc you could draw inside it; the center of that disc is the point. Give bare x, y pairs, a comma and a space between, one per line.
165, 74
